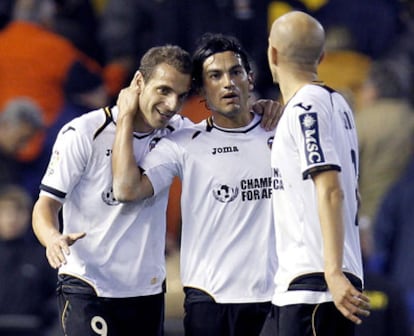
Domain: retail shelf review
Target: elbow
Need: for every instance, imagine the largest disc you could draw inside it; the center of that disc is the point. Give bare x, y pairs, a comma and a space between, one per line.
124, 192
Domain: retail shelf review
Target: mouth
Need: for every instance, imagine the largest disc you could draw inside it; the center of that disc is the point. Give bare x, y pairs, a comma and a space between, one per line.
165, 114
231, 96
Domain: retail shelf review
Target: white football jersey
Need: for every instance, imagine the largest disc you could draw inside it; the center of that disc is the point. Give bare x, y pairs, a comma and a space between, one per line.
227, 244
122, 254
316, 133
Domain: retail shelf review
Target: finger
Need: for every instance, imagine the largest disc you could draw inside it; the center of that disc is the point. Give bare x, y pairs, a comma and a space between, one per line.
72, 238
349, 315
55, 258
269, 120
64, 247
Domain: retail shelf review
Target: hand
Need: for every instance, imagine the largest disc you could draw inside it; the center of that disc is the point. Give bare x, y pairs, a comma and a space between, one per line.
128, 98
271, 110
348, 300
58, 247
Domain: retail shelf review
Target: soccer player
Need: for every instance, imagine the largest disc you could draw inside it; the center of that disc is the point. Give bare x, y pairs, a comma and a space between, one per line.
111, 282
227, 242
319, 279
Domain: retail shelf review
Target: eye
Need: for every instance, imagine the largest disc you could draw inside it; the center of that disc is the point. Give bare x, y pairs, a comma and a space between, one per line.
237, 72
164, 91
214, 75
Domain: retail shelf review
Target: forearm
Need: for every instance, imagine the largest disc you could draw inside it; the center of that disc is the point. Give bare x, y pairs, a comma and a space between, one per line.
330, 202
128, 182
45, 219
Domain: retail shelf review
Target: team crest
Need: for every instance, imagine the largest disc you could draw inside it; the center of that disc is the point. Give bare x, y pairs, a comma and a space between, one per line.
270, 142
225, 194
108, 197
153, 142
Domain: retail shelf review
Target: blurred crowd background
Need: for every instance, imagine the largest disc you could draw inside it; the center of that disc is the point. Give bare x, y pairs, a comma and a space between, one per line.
62, 58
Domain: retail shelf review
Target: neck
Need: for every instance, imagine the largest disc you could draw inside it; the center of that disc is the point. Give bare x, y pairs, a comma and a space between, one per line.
292, 81
235, 121
141, 125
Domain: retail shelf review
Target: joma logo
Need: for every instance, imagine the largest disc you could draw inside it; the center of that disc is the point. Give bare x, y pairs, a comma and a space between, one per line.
227, 149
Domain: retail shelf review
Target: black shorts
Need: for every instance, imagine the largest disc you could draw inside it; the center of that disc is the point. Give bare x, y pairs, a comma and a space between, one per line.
322, 319
205, 317
82, 312
309, 319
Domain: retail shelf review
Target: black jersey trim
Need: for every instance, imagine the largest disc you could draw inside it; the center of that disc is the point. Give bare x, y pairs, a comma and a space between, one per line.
136, 136
316, 282
210, 126
309, 172
53, 191
108, 119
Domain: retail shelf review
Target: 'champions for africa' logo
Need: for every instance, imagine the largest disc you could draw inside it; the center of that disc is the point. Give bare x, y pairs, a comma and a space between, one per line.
225, 193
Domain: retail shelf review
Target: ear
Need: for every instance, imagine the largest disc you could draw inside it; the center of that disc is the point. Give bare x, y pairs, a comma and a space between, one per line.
273, 55
250, 78
321, 58
138, 81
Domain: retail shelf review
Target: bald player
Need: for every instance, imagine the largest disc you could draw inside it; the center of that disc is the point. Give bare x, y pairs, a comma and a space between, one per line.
319, 281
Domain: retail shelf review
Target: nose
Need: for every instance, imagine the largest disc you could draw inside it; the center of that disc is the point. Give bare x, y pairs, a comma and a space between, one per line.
173, 103
228, 80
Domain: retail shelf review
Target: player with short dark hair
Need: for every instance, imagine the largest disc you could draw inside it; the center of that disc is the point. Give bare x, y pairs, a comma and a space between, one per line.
227, 242
111, 255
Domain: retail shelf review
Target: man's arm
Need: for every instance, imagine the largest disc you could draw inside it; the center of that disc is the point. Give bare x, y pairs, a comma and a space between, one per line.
128, 182
45, 222
349, 301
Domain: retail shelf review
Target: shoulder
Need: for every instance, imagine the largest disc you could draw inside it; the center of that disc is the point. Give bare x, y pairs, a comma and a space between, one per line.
89, 124
178, 122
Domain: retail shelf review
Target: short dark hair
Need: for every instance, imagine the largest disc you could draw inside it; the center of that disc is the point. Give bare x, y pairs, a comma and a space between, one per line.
210, 44
169, 54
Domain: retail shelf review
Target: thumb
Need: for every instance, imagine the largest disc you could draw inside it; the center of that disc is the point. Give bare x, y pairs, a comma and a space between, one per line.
73, 237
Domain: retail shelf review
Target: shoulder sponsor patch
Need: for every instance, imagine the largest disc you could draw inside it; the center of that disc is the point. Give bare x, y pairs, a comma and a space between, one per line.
310, 130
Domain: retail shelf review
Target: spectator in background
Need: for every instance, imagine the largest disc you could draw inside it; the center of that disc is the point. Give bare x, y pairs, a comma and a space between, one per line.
35, 62
389, 312
84, 91
5, 12
19, 121
385, 126
156, 22
394, 235
343, 68
78, 21
129, 28
27, 285
374, 24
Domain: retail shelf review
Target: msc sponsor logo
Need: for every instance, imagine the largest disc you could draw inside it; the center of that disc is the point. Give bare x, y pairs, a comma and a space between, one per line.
224, 193
310, 130
224, 150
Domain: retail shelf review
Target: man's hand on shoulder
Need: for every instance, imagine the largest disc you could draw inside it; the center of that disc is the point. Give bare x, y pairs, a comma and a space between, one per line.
271, 110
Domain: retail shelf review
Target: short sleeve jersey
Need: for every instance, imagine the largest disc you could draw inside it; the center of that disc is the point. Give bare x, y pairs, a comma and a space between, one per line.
122, 254
227, 243
315, 133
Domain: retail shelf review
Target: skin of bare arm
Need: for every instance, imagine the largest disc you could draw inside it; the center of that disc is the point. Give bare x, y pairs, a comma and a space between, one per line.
128, 182
349, 301
45, 224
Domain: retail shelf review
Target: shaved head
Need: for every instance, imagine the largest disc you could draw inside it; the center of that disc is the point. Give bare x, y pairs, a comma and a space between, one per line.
298, 38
